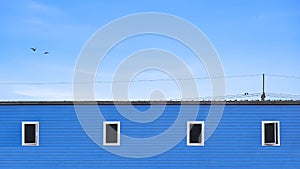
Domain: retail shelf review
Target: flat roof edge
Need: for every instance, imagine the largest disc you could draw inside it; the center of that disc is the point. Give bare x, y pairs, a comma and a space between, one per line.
288, 102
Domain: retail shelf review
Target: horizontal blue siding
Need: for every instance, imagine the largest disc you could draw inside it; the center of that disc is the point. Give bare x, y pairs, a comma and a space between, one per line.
236, 143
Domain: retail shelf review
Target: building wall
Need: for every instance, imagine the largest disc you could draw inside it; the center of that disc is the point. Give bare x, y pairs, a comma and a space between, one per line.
236, 142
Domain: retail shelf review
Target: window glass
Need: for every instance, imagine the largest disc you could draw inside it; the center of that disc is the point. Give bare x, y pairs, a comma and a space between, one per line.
111, 133
195, 133
30, 134
270, 133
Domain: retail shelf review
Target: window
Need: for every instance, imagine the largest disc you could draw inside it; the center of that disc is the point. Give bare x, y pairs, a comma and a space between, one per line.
270, 133
30, 133
195, 133
111, 133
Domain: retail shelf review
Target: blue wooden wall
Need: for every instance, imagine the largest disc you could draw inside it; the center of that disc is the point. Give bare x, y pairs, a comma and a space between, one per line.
235, 144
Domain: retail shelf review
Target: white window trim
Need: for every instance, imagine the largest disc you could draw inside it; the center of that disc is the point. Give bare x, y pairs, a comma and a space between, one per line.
36, 133
188, 133
104, 133
263, 133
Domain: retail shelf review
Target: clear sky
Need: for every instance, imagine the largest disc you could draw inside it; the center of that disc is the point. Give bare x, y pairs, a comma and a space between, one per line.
251, 37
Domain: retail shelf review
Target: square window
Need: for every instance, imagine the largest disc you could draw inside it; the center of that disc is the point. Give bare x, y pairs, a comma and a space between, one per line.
270, 133
195, 133
111, 133
30, 133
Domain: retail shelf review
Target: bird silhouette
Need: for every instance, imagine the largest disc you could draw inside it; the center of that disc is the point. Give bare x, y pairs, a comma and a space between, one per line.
46, 53
33, 49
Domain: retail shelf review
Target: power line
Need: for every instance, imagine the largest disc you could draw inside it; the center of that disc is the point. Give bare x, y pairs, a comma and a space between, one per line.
284, 76
131, 81
284, 95
250, 96
148, 80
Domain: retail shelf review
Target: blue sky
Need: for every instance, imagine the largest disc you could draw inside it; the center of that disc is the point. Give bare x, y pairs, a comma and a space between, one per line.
251, 37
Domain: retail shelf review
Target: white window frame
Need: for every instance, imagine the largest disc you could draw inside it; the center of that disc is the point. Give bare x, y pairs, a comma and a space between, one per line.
188, 133
36, 133
104, 133
263, 134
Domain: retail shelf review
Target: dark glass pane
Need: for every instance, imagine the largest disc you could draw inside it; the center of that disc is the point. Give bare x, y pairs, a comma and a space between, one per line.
195, 133
111, 133
30, 133
269, 133
276, 129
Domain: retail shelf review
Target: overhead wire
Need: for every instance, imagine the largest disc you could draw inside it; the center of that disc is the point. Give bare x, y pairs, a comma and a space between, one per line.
126, 81
283, 76
284, 96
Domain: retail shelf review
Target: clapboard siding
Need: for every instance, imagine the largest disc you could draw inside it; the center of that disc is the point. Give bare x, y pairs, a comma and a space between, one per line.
236, 143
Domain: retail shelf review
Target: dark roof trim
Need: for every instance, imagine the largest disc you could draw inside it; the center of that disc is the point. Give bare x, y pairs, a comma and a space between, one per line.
150, 102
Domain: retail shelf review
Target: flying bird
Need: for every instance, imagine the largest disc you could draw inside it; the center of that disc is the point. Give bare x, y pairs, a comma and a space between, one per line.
45, 53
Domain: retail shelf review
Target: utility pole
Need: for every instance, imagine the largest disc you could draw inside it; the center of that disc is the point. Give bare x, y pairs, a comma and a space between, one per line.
263, 96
